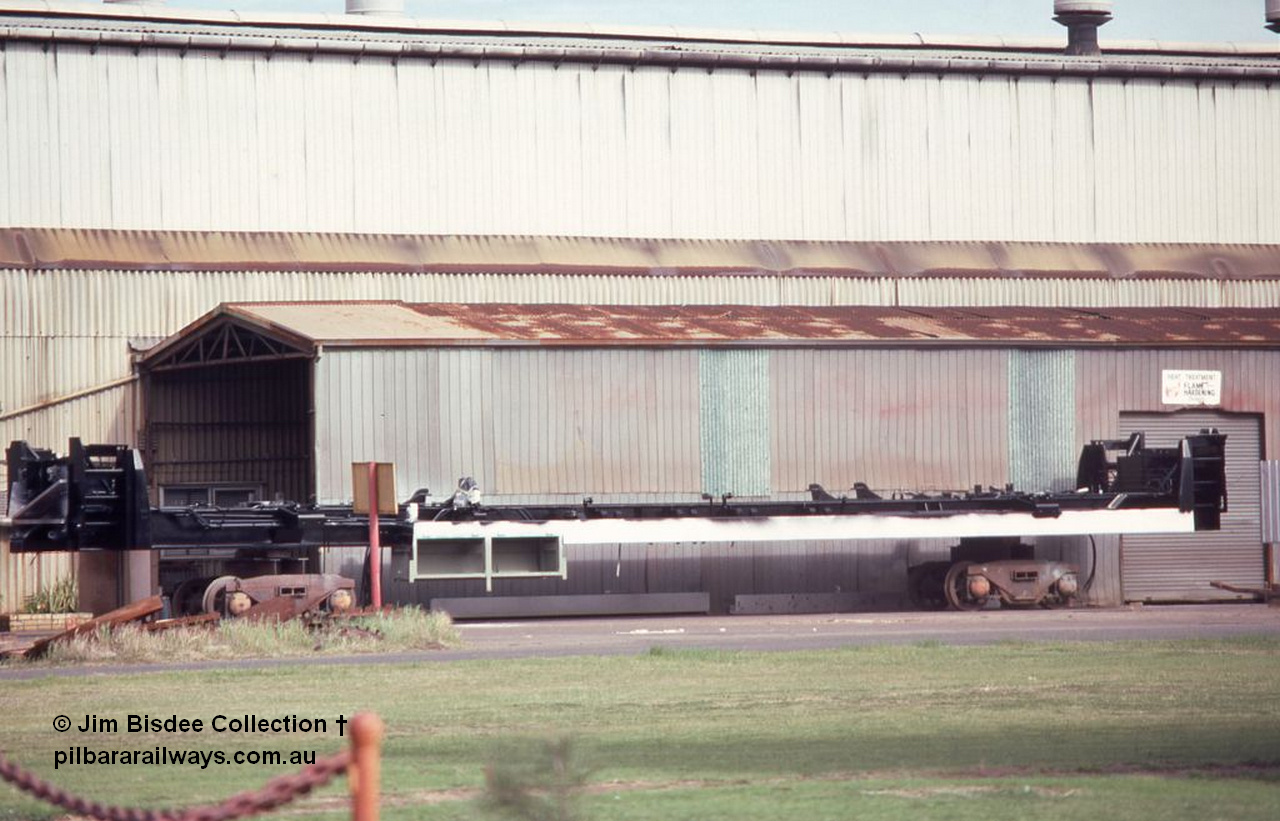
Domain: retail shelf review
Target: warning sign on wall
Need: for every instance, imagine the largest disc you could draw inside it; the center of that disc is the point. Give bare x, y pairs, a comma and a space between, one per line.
1191, 387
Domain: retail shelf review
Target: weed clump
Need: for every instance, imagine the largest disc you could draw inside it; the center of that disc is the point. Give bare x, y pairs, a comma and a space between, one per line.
60, 597
543, 786
411, 628
396, 631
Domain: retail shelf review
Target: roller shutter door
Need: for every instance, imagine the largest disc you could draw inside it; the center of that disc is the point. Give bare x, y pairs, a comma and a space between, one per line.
1179, 567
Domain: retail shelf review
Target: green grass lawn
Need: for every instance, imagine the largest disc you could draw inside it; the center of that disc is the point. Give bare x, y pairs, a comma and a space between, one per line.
1175, 730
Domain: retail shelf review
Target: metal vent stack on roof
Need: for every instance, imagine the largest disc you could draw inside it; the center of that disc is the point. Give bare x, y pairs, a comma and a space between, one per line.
376, 7
1082, 18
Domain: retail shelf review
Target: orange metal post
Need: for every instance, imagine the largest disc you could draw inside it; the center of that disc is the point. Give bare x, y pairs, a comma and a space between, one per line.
375, 545
364, 774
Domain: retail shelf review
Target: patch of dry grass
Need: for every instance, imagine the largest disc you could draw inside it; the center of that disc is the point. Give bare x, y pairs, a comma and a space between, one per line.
398, 631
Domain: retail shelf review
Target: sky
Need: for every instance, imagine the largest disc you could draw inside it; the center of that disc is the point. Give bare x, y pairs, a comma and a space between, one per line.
1184, 20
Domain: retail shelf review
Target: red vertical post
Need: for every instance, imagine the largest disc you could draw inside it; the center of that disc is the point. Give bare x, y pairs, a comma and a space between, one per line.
375, 544
364, 774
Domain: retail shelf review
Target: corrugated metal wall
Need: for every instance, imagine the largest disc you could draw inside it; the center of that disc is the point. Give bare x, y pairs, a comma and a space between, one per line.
523, 423
102, 136
620, 423
64, 331
109, 416
896, 419
1109, 382
25, 574
1086, 293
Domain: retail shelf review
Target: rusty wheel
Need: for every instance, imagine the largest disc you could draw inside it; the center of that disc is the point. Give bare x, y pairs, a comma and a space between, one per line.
1062, 593
956, 588
1055, 600
925, 585
339, 601
215, 595
187, 597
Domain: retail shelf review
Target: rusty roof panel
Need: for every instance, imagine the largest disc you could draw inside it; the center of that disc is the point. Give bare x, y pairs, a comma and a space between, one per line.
353, 322
581, 324
395, 324
63, 249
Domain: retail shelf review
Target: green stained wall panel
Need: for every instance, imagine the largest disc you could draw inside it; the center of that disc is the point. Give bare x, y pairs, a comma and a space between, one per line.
1042, 420
735, 422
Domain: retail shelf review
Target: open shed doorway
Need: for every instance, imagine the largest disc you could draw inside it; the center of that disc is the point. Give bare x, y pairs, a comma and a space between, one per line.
228, 421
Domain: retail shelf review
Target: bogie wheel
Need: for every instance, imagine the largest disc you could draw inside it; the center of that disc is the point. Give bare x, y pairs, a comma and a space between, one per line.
956, 588
187, 597
215, 595
1055, 601
339, 601
925, 586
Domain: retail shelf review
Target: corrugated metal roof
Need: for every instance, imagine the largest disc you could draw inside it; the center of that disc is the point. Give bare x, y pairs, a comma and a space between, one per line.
332, 323
391, 324
265, 25
736, 51
77, 249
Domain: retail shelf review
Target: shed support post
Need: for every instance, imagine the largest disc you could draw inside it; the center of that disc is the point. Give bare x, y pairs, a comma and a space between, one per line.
375, 546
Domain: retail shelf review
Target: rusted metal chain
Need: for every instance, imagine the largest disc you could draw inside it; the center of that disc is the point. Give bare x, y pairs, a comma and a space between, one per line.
278, 791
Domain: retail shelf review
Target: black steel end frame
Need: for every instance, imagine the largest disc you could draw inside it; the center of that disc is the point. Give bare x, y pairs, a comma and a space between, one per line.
94, 498
1191, 476
1202, 485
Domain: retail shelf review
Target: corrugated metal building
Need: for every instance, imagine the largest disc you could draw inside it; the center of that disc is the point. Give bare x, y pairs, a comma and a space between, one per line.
159, 161
339, 123
666, 403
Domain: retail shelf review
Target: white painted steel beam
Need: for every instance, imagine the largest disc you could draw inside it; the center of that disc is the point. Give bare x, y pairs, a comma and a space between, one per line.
820, 528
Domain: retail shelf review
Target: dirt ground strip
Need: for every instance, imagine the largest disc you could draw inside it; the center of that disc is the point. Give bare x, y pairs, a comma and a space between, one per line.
956, 785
